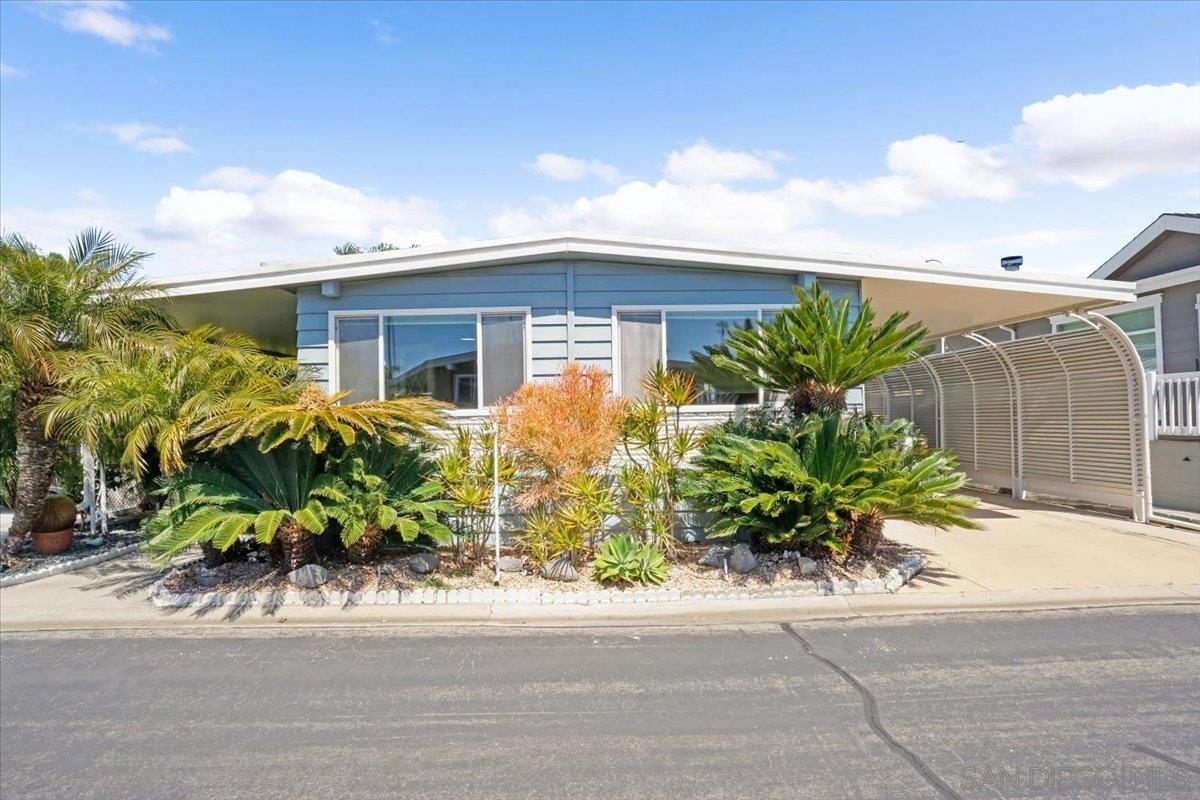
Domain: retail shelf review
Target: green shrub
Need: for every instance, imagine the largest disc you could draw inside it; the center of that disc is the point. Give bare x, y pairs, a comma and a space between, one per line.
815, 480
621, 559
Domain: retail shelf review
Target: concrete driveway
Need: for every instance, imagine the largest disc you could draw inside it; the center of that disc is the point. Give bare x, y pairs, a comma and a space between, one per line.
1026, 545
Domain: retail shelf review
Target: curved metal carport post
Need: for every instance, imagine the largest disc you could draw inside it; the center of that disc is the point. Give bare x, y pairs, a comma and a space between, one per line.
938, 399
1015, 437
1139, 432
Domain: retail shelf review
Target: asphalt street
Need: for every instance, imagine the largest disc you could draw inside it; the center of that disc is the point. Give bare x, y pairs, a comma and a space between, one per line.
1076, 704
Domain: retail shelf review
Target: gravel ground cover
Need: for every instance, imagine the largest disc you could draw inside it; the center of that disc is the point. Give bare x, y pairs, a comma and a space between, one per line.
84, 545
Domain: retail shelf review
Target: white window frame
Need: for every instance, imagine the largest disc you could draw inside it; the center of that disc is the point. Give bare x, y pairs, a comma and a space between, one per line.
757, 308
479, 312
1148, 301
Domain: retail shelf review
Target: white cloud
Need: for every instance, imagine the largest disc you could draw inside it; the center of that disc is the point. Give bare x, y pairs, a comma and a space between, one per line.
1097, 140
384, 33
107, 19
147, 138
88, 196
238, 179
292, 204
703, 163
566, 168
9, 71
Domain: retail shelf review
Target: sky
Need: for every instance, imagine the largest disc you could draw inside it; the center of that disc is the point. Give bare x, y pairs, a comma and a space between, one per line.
221, 135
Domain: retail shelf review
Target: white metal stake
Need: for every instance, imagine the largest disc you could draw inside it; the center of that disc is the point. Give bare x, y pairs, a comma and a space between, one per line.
496, 496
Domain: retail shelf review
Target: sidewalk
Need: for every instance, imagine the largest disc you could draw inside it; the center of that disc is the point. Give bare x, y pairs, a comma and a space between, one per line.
1029, 556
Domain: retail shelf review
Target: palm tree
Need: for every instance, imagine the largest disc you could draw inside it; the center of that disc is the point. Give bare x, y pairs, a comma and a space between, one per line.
314, 417
281, 496
50, 307
153, 399
383, 487
817, 349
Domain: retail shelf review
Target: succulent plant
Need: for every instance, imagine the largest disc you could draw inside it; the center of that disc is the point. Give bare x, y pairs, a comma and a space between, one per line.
58, 514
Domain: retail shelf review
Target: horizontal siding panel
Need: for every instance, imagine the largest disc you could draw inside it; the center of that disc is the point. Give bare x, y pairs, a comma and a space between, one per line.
313, 355
675, 297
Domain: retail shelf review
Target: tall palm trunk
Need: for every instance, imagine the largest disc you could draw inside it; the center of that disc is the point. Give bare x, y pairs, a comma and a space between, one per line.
298, 548
364, 549
37, 455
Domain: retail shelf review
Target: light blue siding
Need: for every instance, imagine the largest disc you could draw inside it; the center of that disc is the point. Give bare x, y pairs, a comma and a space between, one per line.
597, 288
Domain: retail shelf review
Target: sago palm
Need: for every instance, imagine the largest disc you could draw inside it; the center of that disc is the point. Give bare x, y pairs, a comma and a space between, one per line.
315, 417
382, 487
154, 399
280, 496
52, 305
816, 350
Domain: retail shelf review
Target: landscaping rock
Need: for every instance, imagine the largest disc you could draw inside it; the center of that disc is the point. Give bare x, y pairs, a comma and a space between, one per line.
99, 541
310, 576
807, 566
207, 577
715, 555
560, 569
423, 563
511, 564
741, 560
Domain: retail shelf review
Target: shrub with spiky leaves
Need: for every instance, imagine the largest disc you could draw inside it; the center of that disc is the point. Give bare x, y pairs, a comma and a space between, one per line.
824, 480
282, 498
816, 350
382, 487
623, 560
315, 418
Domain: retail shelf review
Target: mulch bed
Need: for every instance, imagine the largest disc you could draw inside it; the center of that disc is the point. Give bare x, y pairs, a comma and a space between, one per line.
391, 572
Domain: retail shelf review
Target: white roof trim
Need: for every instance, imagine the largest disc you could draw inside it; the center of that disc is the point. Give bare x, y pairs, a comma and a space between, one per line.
1165, 223
469, 255
1169, 279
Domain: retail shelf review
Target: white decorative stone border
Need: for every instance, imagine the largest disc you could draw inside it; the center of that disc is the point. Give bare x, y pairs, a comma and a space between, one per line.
163, 598
68, 566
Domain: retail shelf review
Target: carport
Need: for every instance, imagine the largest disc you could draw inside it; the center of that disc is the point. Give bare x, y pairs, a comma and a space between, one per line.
1059, 415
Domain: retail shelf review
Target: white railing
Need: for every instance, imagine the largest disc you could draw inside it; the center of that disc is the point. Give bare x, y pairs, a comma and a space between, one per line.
1175, 403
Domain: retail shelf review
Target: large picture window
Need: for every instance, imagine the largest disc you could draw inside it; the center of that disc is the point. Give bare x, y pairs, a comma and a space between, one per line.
680, 339
467, 359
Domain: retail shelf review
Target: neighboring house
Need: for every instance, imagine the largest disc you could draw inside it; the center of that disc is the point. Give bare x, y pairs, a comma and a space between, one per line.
467, 323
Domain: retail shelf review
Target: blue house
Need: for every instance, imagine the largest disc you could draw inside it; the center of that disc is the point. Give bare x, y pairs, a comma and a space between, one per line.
469, 322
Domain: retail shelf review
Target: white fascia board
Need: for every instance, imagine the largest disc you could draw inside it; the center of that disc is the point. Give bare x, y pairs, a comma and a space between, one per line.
1169, 279
649, 251
1165, 223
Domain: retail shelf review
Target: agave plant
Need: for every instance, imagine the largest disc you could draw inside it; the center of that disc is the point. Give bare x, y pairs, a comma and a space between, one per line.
622, 559
381, 488
279, 497
315, 417
816, 350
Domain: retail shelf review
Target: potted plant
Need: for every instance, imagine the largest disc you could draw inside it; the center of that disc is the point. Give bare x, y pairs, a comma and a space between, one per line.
55, 527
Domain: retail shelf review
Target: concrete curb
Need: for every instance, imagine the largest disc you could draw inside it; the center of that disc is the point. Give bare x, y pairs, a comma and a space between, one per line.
162, 598
68, 566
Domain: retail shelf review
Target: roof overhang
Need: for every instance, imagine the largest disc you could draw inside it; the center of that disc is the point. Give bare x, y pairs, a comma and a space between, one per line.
1166, 223
947, 299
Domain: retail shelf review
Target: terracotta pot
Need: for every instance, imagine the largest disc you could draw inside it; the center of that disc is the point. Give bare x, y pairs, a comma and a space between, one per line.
50, 542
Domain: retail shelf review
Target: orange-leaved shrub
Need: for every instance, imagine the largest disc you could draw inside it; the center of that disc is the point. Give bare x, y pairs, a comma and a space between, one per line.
558, 430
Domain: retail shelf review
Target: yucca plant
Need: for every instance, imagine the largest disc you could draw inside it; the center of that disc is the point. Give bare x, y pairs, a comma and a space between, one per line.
463, 470
382, 487
315, 417
281, 497
816, 350
657, 446
622, 559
